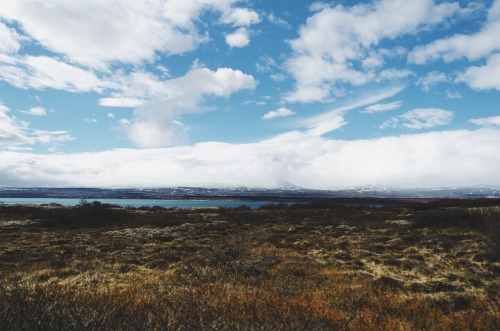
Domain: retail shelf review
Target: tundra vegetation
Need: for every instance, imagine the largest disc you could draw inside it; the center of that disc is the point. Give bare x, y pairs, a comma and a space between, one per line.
320, 265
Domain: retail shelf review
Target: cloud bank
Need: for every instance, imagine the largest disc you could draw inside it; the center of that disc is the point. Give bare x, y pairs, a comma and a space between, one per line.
435, 159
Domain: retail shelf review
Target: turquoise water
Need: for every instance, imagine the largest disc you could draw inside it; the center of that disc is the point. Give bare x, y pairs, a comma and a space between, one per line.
139, 202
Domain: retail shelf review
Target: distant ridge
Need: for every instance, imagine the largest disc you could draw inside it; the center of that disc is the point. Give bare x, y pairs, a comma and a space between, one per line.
248, 193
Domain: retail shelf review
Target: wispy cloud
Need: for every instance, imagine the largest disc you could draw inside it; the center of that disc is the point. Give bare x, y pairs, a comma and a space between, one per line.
281, 112
41, 72
487, 121
120, 102
35, 111
278, 21
49, 137
334, 119
382, 107
453, 95
420, 118
431, 79
14, 132
9, 40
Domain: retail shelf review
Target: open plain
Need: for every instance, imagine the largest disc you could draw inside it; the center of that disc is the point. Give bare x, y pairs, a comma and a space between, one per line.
317, 265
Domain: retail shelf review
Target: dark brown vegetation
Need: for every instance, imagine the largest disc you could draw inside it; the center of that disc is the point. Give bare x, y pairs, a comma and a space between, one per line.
318, 266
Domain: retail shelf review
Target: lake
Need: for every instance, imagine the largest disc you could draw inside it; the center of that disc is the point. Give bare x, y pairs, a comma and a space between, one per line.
139, 202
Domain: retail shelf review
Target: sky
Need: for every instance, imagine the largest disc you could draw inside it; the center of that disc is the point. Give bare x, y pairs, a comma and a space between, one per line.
262, 94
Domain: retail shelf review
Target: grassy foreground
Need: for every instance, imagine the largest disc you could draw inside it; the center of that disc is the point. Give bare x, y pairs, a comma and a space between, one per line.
317, 266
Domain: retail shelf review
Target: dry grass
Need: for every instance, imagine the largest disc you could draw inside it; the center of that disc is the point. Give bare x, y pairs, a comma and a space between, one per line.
410, 266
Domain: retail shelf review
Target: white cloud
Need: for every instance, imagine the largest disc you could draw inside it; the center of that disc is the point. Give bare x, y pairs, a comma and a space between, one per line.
431, 79
473, 46
92, 40
198, 80
434, 159
36, 111
278, 77
318, 6
331, 121
393, 74
278, 21
51, 137
241, 17
94, 33
165, 73
487, 121
334, 119
382, 107
9, 40
420, 118
266, 64
337, 40
12, 131
158, 103
453, 95
484, 77
156, 122
238, 38
40, 72
373, 61
221, 82
281, 112
254, 102
111, 115
137, 86
120, 102
184, 13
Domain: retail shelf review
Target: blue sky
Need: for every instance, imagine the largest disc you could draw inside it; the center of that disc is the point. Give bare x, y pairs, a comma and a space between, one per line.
325, 95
